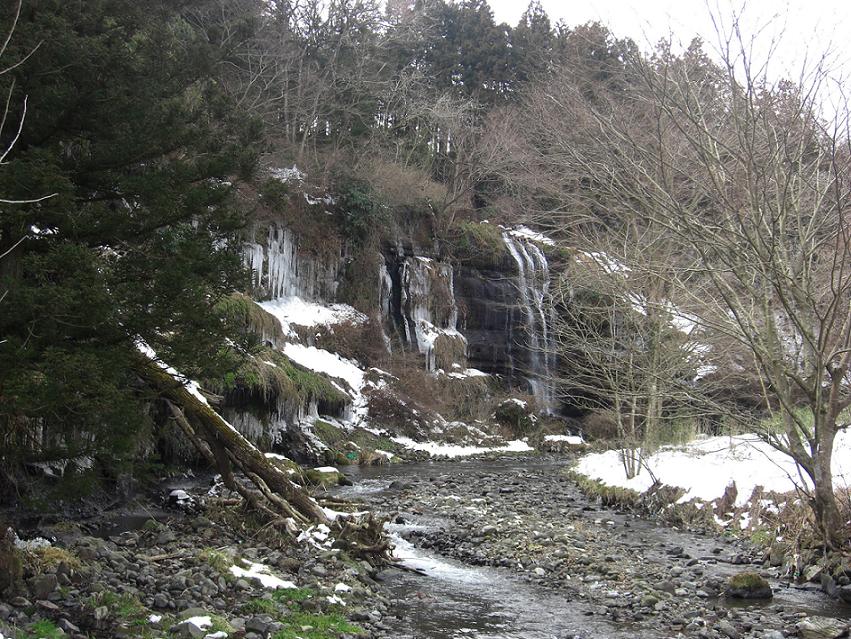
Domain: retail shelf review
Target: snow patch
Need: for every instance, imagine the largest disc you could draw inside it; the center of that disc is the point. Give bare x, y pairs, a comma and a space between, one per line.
573, 440
295, 311
453, 450
525, 233
263, 574
704, 468
200, 622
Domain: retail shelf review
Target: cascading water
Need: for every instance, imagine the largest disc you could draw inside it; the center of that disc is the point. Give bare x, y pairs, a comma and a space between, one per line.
533, 284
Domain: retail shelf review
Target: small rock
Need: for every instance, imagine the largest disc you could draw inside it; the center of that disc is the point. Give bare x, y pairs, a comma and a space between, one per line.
728, 630
813, 573
47, 605
160, 601
67, 626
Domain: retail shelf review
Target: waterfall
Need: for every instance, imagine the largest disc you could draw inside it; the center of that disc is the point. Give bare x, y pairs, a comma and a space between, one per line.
533, 284
280, 271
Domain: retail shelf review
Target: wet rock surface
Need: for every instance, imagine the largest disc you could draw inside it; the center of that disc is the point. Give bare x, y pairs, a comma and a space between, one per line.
526, 524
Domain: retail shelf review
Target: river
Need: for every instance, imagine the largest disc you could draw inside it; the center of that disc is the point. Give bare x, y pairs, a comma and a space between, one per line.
437, 595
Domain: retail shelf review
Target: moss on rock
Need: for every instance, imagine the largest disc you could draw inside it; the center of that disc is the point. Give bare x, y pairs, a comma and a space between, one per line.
748, 585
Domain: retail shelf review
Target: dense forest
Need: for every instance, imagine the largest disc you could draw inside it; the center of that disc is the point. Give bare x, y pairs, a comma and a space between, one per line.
262, 237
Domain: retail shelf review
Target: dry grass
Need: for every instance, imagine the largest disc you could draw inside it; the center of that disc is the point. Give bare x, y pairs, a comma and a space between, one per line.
400, 186
43, 559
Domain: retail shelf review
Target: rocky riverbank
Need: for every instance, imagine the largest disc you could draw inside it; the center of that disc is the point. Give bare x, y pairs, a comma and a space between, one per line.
526, 555
529, 521
209, 573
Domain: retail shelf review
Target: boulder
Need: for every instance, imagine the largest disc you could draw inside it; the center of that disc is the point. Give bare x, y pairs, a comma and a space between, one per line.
748, 585
822, 628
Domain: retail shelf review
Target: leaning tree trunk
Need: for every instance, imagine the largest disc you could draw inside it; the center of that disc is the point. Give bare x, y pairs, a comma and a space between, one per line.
218, 441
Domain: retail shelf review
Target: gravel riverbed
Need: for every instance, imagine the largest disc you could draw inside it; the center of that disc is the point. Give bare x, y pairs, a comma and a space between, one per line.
526, 522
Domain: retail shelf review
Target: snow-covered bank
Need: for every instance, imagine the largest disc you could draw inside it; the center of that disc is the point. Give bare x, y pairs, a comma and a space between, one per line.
295, 311
437, 449
704, 468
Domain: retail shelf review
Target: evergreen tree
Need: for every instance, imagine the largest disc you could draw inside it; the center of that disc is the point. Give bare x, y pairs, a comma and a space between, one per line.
532, 43
130, 130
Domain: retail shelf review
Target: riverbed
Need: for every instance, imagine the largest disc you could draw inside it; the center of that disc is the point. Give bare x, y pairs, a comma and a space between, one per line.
511, 549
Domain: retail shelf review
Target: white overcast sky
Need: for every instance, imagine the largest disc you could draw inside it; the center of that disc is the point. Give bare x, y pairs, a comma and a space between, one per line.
807, 25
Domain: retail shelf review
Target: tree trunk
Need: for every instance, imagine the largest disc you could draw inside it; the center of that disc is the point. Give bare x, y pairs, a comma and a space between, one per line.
283, 495
828, 519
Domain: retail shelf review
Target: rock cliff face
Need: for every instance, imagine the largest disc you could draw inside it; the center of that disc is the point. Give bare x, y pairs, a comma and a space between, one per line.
496, 319
506, 316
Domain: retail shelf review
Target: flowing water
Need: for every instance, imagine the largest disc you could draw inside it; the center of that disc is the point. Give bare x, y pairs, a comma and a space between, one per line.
438, 597
533, 284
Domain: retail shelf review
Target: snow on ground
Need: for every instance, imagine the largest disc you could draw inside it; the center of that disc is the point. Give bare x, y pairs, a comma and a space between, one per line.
454, 450
285, 175
707, 466
326, 362
573, 440
294, 311
465, 373
261, 573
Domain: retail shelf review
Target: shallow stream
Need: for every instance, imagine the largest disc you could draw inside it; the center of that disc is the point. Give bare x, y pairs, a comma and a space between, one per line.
439, 597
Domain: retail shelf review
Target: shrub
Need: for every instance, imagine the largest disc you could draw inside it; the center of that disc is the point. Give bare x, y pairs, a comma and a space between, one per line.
515, 415
478, 244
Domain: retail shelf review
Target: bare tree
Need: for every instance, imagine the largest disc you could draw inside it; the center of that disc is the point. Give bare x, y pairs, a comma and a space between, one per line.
750, 179
629, 353
9, 245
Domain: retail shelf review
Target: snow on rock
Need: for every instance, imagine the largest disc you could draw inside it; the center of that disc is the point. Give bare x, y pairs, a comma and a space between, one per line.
436, 449
318, 536
326, 362
181, 498
525, 233
331, 364
36, 543
295, 311
261, 573
326, 469
332, 514
200, 622
705, 467
464, 373
334, 600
